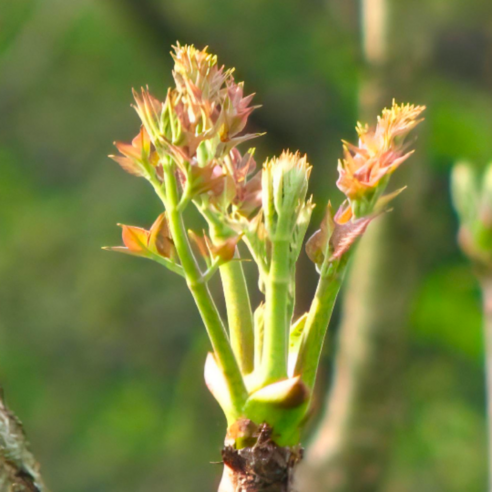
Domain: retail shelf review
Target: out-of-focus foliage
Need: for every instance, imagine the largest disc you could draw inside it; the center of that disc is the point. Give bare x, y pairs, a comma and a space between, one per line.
102, 356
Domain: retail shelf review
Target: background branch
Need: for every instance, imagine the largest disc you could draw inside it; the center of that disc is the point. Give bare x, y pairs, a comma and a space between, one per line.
351, 447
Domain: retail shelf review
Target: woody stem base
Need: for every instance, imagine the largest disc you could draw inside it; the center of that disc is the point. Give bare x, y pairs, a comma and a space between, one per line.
264, 467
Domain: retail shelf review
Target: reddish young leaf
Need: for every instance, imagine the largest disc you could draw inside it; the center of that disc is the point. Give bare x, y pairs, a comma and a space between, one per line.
160, 240
135, 153
317, 244
128, 150
224, 250
346, 234
135, 238
142, 142
200, 243
128, 165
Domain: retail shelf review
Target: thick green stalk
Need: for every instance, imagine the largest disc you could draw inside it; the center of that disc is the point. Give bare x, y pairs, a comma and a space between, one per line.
239, 314
236, 295
314, 332
365, 396
276, 332
258, 334
199, 289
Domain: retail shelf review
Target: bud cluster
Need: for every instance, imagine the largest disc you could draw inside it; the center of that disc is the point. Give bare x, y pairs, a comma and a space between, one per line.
285, 184
364, 173
365, 169
198, 128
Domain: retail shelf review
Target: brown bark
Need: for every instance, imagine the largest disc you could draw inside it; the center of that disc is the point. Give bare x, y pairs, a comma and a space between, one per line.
263, 467
19, 470
13, 478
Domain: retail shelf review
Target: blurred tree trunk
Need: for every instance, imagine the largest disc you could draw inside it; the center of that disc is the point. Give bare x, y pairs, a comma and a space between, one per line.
350, 450
486, 284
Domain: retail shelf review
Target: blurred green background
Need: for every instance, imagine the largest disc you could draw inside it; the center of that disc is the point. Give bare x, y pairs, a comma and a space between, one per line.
101, 355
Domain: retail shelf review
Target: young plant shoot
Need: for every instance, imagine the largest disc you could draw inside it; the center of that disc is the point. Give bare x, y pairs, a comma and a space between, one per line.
262, 365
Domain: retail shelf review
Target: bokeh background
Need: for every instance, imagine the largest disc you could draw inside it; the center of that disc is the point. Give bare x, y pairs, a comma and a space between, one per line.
101, 355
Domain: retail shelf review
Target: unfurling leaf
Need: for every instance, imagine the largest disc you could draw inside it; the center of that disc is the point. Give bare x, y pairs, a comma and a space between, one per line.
289, 393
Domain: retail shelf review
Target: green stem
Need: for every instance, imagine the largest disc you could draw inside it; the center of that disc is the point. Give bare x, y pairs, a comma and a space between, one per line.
211, 270
318, 319
259, 332
276, 332
239, 314
236, 295
170, 265
199, 289
257, 258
